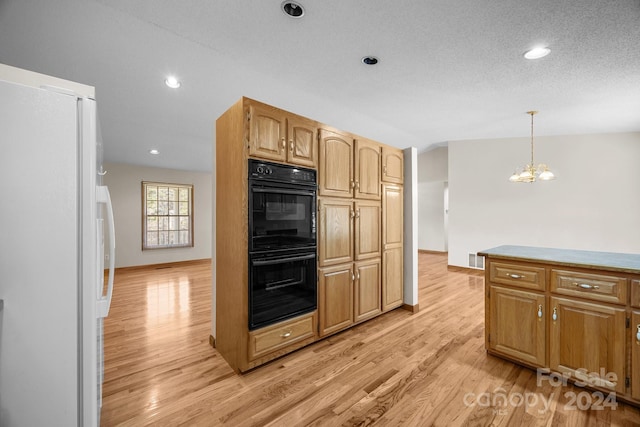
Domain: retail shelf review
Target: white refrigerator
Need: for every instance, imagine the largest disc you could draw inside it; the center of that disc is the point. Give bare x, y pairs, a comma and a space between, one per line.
53, 216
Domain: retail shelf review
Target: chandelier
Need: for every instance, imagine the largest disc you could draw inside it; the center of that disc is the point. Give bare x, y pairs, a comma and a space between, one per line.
531, 173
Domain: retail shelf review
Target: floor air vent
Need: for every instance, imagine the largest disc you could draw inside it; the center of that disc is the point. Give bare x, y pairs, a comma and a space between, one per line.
476, 261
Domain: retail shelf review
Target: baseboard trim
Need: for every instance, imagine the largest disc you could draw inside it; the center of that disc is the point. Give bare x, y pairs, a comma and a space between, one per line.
166, 265
469, 271
212, 341
412, 308
427, 251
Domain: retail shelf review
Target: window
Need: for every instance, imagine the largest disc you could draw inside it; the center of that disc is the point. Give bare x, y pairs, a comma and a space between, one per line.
167, 220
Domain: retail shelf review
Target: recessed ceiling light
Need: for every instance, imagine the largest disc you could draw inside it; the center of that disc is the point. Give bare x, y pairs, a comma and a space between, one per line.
292, 9
370, 60
172, 82
537, 52
154, 151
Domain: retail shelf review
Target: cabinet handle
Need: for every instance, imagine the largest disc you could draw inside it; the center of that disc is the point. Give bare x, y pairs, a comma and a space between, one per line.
357, 185
515, 276
357, 213
554, 316
353, 213
384, 169
353, 277
284, 143
638, 335
586, 286
357, 275
286, 334
291, 145
540, 311
353, 184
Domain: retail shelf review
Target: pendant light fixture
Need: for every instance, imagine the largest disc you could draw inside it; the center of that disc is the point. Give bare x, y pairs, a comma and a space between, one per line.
531, 173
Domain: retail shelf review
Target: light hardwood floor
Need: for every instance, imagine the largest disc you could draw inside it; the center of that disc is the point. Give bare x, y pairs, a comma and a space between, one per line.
428, 368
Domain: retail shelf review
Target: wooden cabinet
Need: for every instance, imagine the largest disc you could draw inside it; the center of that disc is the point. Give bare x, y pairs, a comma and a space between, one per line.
367, 290
392, 279
277, 135
518, 324
335, 174
392, 165
587, 341
584, 316
335, 298
349, 229
348, 168
392, 244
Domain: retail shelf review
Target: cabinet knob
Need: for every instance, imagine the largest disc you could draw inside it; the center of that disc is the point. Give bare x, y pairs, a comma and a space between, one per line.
638, 334
291, 145
554, 315
284, 143
540, 311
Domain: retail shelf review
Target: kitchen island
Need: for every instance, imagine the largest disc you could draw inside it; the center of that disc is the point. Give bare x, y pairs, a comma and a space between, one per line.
575, 313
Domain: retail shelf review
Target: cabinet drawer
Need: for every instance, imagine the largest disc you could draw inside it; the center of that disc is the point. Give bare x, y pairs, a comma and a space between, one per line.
275, 337
597, 287
523, 276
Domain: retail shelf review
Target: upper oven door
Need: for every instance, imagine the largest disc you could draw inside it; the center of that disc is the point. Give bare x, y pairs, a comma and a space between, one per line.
281, 216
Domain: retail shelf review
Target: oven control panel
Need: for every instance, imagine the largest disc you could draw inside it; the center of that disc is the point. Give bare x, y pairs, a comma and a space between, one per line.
281, 173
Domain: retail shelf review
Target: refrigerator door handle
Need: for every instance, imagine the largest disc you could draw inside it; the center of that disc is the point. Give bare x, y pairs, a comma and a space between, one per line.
104, 301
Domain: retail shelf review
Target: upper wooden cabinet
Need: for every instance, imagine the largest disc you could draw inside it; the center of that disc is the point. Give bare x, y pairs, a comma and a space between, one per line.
392, 165
367, 169
277, 135
335, 174
348, 167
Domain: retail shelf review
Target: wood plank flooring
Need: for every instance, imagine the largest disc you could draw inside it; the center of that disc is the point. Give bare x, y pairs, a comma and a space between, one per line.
428, 368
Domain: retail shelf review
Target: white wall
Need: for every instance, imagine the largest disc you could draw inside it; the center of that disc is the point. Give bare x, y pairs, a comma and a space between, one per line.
594, 203
125, 184
432, 181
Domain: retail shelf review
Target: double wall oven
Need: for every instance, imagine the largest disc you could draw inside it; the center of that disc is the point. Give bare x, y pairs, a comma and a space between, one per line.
282, 242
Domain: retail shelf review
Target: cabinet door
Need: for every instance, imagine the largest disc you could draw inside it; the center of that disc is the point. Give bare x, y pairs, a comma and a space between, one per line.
335, 292
367, 228
267, 127
303, 142
392, 279
335, 174
587, 341
335, 231
392, 165
367, 178
367, 290
392, 217
517, 324
635, 354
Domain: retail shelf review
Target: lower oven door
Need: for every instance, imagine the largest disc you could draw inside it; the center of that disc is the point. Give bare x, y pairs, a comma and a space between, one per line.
281, 287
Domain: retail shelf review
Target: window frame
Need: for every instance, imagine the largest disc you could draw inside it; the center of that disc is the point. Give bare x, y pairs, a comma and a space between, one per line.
145, 216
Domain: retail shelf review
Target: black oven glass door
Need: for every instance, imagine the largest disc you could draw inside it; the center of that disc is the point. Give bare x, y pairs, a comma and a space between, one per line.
281, 287
281, 217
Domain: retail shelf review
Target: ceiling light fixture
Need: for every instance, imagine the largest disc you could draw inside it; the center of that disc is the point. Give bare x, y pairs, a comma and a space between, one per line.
154, 151
292, 9
172, 82
537, 52
369, 60
530, 173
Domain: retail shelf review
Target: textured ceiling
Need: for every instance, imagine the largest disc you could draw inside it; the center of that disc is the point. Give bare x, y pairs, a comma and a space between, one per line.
448, 70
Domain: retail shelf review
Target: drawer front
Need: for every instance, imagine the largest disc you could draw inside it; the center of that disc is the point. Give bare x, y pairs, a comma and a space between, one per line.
523, 276
275, 337
597, 287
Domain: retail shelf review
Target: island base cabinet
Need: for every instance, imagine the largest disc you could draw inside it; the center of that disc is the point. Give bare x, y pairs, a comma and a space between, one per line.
517, 324
587, 342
